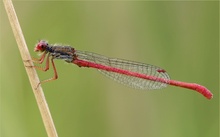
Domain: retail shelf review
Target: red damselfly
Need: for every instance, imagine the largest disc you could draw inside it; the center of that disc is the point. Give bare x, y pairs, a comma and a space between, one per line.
134, 74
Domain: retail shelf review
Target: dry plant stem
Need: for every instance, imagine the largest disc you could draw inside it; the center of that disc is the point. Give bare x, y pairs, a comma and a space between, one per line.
34, 80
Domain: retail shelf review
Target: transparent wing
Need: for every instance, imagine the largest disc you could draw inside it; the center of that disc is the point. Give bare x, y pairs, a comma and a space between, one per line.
131, 81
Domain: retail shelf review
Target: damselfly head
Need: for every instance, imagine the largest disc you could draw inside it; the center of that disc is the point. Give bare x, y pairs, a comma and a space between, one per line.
41, 46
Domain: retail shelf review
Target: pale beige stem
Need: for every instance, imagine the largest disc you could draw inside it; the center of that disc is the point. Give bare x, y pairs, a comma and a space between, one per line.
31, 72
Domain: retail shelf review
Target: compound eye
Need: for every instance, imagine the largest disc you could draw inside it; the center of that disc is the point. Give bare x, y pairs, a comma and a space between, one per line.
41, 46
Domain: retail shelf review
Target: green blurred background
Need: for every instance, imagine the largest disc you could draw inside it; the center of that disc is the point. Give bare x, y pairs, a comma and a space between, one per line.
181, 37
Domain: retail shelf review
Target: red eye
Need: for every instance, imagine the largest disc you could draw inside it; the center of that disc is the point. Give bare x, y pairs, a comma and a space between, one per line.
41, 46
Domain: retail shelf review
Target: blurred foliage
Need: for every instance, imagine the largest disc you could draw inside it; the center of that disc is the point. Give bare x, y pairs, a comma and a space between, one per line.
181, 37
